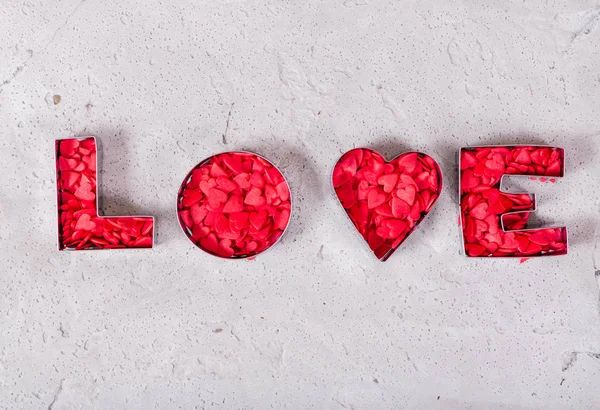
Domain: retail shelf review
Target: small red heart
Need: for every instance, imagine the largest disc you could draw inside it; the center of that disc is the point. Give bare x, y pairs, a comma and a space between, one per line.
210, 243
243, 180
226, 185
251, 246
388, 181
283, 191
281, 219
270, 194
225, 248
234, 162
198, 213
191, 197
375, 198
206, 186
257, 180
68, 147
216, 171
255, 198
234, 204
85, 193
216, 197
239, 220
70, 178
84, 223
480, 211
67, 164
407, 194
258, 219
386, 200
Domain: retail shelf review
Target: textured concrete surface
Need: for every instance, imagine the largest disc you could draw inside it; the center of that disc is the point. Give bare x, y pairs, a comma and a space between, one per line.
315, 322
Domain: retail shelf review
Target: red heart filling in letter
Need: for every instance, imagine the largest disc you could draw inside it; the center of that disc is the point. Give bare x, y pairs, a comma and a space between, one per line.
386, 201
234, 205
492, 220
80, 226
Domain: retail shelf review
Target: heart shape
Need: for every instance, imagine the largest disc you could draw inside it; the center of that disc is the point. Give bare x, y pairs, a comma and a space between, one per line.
85, 223
386, 200
85, 192
79, 225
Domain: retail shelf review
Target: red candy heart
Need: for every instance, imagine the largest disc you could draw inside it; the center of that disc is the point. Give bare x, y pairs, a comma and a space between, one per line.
84, 223
255, 198
79, 225
234, 205
492, 220
386, 201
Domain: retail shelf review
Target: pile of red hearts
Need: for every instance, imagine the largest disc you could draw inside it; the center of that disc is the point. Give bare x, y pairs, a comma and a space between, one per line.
386, 201
492, 219
80, 227
234, 205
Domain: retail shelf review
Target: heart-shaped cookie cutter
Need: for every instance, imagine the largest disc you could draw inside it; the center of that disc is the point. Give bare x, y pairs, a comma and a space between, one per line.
389, 253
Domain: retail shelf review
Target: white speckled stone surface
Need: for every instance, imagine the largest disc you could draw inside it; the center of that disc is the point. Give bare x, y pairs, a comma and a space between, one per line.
316, 322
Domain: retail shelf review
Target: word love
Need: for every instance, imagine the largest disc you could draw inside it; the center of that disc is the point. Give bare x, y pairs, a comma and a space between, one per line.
238, 204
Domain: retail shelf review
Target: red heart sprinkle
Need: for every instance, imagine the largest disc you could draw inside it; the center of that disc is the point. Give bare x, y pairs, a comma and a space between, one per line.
69, 179
216, 197
345, 170
85, 193
239, 220
199, 232
257, 180
234, 162
142, 242
210, 243
270, 194
375, 198
258, 219
388, 181
281, 219
468, 160
225, 248
226, 185
407, 194
408, 163
191, 197
197, 213
67, 164
84, 223
68, 147
205, 186
217, 171
283, 191
254, 197
243, 180
479, 211
234, 204
251, 246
